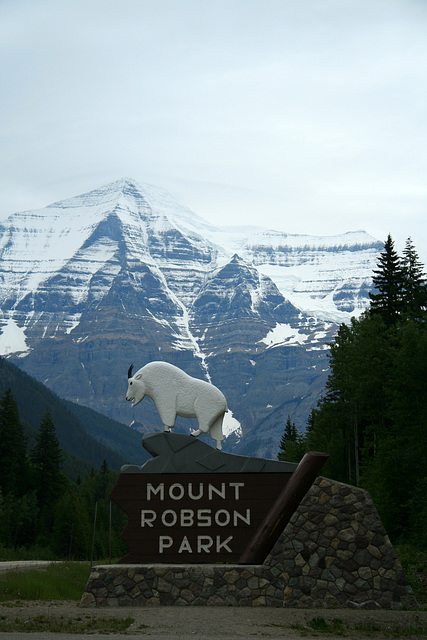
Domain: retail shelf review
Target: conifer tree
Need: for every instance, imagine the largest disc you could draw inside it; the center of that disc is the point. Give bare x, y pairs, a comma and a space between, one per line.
291, 444
388, 281
415, 288
12, 446
310, 421
289, 435
47, 458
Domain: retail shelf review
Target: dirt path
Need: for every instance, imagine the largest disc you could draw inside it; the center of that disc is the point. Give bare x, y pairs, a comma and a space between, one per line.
224, 622
25, 564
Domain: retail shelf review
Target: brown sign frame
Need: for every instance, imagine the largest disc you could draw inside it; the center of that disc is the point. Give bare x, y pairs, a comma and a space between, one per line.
209, 517
193, 519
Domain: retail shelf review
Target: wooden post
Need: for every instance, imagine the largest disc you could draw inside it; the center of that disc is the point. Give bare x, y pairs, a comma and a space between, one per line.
280, 513
93, 535
109, 538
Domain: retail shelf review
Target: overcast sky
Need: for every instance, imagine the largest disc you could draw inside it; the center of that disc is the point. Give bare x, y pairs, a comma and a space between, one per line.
307, 116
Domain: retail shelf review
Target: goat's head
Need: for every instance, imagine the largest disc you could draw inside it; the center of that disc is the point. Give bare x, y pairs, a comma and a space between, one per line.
136, 387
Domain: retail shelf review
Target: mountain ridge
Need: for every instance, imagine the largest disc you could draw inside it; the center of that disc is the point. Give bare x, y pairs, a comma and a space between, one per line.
80, 433
124, 273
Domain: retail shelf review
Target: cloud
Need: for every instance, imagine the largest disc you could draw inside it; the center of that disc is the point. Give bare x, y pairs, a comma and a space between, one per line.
311, 112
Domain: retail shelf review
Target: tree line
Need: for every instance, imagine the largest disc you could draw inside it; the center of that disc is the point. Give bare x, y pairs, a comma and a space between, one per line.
372, 417
41, 510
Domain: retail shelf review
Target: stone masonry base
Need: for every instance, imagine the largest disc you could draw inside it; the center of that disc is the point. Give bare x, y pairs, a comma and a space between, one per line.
333, 553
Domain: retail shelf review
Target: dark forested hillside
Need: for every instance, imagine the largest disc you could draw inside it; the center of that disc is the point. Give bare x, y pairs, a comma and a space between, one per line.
42, 513
82, 434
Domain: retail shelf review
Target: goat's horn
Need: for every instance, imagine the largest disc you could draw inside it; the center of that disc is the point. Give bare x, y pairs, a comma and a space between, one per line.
130, 371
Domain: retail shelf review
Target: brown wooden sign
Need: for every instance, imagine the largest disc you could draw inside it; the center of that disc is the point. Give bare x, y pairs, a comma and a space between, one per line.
194, 518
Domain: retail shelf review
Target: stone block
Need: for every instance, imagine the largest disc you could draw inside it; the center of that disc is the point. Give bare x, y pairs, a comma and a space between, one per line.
324, 498
299, 560
374, 551
365, 573
88, 600
288, 592
163, 586
231, 577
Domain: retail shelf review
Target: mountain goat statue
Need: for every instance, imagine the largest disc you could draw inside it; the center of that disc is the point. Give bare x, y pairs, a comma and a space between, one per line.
175, 393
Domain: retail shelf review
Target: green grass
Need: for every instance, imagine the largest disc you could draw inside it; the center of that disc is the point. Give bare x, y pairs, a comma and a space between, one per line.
362, 629
414, 564
76, 625
320, 625
62, 581
335, 626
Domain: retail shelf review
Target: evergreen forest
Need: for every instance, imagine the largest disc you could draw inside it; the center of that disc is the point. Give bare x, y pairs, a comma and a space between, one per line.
43, 514
372, 418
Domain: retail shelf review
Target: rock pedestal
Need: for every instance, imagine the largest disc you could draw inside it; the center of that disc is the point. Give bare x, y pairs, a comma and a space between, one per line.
333, 553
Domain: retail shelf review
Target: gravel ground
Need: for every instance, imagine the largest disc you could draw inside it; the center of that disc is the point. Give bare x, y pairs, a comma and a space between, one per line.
217, 622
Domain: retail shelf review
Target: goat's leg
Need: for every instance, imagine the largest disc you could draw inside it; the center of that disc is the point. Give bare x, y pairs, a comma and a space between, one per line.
215, 431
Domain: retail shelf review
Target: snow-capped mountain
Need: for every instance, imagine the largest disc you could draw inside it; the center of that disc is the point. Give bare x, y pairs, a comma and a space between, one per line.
126, 274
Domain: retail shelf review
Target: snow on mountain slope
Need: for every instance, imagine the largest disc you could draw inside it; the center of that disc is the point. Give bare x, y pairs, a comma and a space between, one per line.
70, 243
126, 274
328, 277
12, 339
75, 249
36, 244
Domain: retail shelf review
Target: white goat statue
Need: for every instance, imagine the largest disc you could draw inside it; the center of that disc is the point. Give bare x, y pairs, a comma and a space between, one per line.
175, 393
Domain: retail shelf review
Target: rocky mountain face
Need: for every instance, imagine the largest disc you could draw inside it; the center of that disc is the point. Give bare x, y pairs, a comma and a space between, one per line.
125, 274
